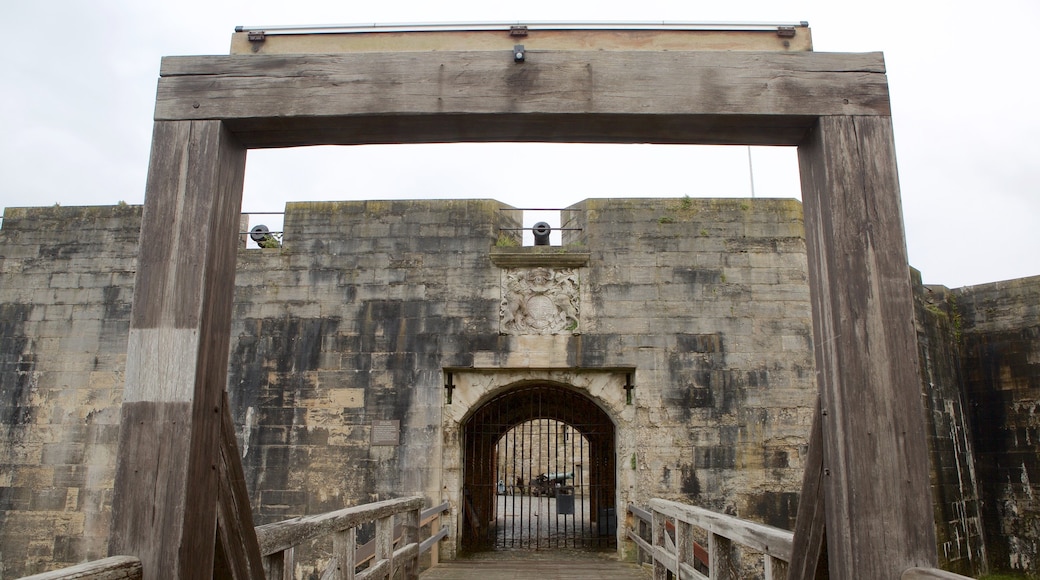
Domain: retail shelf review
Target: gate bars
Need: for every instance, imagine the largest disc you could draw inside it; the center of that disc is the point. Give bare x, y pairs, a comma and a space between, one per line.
539, 473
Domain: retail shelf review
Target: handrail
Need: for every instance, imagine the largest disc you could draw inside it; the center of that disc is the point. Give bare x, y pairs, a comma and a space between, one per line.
285, 534
672, 549
395, 549
113, 568
930, 574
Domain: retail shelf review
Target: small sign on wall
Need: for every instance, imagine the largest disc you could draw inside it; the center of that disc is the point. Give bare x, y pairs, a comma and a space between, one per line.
386, 432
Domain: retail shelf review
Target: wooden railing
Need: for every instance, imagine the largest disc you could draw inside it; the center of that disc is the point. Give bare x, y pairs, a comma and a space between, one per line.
672, 547
279, 540
665, 537
395, 549
114, 568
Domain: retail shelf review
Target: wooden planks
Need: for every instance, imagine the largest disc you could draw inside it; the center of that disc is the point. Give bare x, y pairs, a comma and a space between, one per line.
877, 496
595, 96
808, 551
237, 547
114, 568
165, 496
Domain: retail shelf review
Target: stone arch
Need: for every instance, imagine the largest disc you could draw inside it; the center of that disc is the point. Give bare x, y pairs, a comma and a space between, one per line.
476, 389
510, 407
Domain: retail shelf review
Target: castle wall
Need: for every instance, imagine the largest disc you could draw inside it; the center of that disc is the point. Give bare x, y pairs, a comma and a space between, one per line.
358, 316
954, 480
66, 282
1001, 351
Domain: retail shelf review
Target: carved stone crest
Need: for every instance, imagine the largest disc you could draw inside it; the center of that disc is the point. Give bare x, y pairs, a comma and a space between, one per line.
540, 301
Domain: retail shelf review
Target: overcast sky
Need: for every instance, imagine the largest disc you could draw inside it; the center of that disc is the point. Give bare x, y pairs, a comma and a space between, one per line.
79, 82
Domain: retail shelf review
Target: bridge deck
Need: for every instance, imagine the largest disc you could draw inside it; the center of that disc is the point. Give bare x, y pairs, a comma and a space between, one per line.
541, 565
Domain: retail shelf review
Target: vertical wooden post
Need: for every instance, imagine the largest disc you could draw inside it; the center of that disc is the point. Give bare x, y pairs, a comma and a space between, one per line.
810, 527
683, 545
165, 497
720, 558
385, 543
344, 549
410, 535
877, 498
657, 543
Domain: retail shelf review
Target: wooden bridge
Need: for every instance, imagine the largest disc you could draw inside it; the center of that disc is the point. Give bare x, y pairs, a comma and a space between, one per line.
671, 540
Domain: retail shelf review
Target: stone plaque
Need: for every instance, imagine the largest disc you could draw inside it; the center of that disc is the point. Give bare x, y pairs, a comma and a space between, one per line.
386, 432
539, 301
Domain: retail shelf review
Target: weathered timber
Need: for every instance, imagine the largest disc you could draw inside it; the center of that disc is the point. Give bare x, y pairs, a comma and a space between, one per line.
237, 547
930, 574
758, 537
596, 96
810, 526
877, 496
720, 558
165, 496
283, 535
113, 568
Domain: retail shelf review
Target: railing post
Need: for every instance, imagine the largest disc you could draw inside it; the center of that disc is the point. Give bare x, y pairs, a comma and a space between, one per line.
776, 569
657, 542
344, 548
720, 558
385, 543
435, 552
279, 566
410, 535
683, 545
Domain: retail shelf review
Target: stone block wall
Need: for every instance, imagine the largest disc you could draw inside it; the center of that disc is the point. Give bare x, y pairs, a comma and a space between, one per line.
361, 312
1000, 327
66, 282
709, 300
955, 483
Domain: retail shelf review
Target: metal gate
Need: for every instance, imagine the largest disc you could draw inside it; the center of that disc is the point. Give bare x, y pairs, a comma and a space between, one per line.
539, 472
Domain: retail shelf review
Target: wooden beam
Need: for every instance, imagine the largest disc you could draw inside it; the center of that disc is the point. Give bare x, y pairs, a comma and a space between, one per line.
578, 96
236, 533
165, 497
810, 525
877, 497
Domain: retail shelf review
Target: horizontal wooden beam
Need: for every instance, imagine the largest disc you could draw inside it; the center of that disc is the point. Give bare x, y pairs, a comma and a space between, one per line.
113, 568
554, 96
282, 535
758, 537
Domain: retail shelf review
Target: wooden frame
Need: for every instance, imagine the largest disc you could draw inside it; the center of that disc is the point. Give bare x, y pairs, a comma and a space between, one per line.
834, 107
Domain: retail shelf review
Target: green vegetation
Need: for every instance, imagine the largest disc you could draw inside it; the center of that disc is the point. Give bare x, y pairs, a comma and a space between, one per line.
1002, 576
506, 241
666, 220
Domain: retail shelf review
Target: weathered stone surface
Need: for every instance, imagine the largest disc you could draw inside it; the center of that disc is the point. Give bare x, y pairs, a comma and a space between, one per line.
954, 478
66, 279
357, 318
1000, 327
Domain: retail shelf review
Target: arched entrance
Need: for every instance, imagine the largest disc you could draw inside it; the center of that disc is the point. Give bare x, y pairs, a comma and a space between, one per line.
538, 472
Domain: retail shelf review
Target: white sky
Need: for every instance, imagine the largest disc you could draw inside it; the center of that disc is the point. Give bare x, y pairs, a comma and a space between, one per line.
78, 89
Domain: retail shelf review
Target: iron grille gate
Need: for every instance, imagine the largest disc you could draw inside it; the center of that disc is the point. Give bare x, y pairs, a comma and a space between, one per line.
539, 473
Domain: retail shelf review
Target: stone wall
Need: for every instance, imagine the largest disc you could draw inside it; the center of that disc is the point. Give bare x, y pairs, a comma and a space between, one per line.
66, 281
955, 488
359, 317
1000, 325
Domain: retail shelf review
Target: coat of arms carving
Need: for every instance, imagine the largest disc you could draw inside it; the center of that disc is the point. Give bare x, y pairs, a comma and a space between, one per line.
540, 301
